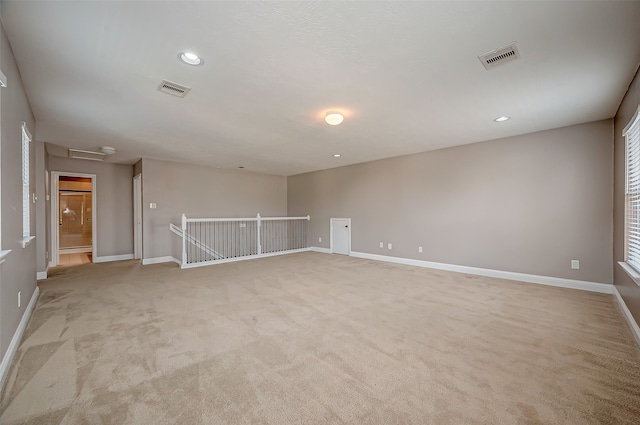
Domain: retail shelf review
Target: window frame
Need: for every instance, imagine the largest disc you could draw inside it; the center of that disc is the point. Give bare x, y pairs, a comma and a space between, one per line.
26, 139
631, 134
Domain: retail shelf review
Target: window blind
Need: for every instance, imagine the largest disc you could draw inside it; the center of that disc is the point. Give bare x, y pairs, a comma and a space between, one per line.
632, 192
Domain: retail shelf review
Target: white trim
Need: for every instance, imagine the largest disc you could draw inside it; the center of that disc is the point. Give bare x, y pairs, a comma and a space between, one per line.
109, 258
604, 288
331, 220
137, 216
41, 275
217, 219
248, 257
631, 321
633, 274
74, 250
55, 228
17, 337
3, 255
631, 122
26, 241
158, 260
319, 249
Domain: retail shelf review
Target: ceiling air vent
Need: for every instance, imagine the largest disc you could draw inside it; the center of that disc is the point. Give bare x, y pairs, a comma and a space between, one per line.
80, 154
174, 89
500, 56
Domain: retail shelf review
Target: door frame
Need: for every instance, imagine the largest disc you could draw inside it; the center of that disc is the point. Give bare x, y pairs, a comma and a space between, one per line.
331, 221
55, 228
137, 217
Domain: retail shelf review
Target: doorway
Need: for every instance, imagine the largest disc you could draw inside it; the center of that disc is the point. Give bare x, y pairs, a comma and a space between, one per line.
340, 236
73, 223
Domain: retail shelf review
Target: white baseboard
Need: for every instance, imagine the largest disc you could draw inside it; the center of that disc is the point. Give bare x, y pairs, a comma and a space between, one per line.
63, 251
522, 277
42, 275
322, 250
108, 258
17, 337
631, 321
158, 260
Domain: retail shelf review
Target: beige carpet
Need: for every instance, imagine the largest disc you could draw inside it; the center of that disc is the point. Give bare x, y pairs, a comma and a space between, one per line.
318, 339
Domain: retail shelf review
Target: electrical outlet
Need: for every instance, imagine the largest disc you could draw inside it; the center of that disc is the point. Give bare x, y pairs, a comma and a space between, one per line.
381, 244
19, 299
419, 249
575, 264
389, 246
319, 239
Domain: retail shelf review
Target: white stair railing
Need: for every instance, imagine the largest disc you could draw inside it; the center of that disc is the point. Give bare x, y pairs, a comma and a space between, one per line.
220, 240
178, 231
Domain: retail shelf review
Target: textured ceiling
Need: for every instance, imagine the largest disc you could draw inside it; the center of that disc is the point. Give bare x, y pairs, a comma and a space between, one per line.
406, 75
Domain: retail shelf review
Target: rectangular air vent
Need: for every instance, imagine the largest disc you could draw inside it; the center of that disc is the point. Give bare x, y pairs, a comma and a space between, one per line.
92, 156
500, 56
174, 89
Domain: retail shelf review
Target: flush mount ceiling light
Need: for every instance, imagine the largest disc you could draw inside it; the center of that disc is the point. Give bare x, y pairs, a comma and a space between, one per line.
502, 119
190, 58
336, 155
108, 150
334, 118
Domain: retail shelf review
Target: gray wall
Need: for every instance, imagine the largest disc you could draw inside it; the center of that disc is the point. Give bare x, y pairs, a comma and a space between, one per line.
527, 204
18, 273
114, 203
628, 289
201, 192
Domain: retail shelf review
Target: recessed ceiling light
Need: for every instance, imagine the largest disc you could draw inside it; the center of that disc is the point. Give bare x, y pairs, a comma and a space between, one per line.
336, 155
334, 118
190, 58
501, 119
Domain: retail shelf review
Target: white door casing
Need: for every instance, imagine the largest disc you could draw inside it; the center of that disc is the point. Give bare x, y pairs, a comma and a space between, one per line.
137, 217
55, 228
340, 236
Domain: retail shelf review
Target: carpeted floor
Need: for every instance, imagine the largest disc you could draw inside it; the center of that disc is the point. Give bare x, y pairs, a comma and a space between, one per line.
318, 339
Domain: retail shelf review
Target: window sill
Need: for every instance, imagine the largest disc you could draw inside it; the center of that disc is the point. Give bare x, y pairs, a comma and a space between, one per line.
633, 274
26, 241
4, 254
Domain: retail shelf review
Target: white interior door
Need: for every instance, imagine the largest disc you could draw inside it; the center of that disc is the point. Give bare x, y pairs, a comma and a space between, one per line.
137, 217
341, 236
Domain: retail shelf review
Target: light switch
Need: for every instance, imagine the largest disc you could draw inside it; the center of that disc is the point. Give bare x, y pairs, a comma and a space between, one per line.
153, 205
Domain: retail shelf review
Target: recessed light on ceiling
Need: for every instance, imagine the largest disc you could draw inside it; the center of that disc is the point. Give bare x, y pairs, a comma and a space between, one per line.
334, 118
336, 155
501, 119
190, 58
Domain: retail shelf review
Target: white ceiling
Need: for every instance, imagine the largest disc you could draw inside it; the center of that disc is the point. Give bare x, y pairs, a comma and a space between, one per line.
406, 75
